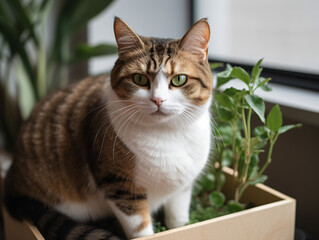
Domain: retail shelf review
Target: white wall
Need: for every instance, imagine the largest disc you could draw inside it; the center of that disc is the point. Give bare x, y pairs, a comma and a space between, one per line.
284, 32
156, 18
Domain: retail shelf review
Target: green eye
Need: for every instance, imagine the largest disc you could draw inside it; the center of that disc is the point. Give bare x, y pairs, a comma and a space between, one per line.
179, 80
140, 80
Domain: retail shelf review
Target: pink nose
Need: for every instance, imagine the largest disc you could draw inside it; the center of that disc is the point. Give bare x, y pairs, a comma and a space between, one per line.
158, 101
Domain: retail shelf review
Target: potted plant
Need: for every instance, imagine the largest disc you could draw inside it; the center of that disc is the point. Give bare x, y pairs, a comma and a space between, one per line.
232, 203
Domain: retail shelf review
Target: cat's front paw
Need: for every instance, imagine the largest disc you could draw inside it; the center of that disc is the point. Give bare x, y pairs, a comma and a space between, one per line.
176, 222
143, 232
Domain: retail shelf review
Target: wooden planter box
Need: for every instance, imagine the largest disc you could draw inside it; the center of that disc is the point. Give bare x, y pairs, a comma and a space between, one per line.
272, 218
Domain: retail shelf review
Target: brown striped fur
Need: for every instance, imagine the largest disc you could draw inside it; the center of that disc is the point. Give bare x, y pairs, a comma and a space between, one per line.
69, 138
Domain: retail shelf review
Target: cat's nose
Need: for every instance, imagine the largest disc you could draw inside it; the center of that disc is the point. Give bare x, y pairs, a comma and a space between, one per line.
158, 101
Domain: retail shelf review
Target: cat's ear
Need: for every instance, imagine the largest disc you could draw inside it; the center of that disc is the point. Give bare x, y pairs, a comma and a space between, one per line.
127, 40
196, 39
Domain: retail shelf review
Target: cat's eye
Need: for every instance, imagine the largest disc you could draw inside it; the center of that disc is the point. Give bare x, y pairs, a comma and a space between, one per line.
140, 79
179, 80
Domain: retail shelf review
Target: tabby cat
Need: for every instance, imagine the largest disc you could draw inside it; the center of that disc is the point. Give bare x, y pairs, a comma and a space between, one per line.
121, 145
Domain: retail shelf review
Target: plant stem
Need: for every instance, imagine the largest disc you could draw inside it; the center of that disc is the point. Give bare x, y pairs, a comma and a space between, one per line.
236, 198
247, 146
235, 154
242, 178
244, 122
243, 186
268, 160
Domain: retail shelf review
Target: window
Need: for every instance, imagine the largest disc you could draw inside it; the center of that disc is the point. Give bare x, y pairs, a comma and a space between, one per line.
285, 33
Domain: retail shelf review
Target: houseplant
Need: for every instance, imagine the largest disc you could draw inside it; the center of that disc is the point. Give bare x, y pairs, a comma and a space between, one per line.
239, 145
35, 37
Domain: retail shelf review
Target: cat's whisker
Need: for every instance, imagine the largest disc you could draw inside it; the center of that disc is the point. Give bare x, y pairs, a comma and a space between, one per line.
186, 117
138, 111
190, 114
102, 105
119, 130
132, 149
101, 125
179, 119
141, 113
104, 121
129, 106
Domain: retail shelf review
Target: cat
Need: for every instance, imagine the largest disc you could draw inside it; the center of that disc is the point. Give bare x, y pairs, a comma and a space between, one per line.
122, 145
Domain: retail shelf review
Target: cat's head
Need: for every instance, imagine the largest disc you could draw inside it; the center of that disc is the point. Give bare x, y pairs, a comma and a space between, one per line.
165, 80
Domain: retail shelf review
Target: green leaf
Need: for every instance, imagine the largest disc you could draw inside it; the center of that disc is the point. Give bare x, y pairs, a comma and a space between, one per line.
22, 17
73, 15
262, 132
221, 81
208, 182
85, 52
262, 82
17, 47
233, 206
241, 74
226, 132
233, 91
158, 227
81, 12
257, 104
224, 114
266, 88
215, 65
257, 144
255, 73
225, 101
286, 128
217, 199
274, 119
45, 4
26, 99
227, 158
261, 179
224, 76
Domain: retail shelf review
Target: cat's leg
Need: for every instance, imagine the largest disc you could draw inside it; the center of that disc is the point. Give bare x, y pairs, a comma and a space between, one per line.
133, 213
177, 208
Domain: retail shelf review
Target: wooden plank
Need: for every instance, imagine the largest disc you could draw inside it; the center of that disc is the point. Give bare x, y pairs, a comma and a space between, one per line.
15, 230
274, 221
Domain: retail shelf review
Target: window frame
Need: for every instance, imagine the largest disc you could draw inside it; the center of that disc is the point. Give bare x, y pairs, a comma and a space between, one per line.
279, 75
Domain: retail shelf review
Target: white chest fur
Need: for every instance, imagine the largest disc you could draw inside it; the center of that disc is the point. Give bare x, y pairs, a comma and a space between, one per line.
168, 160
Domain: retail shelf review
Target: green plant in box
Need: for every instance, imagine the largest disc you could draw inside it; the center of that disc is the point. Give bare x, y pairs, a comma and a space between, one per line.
242, 144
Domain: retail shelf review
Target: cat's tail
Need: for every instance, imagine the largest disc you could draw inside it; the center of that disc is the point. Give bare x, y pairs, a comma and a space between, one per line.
52, 224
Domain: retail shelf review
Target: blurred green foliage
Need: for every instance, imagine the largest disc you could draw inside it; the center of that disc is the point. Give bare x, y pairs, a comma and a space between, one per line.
35, 54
